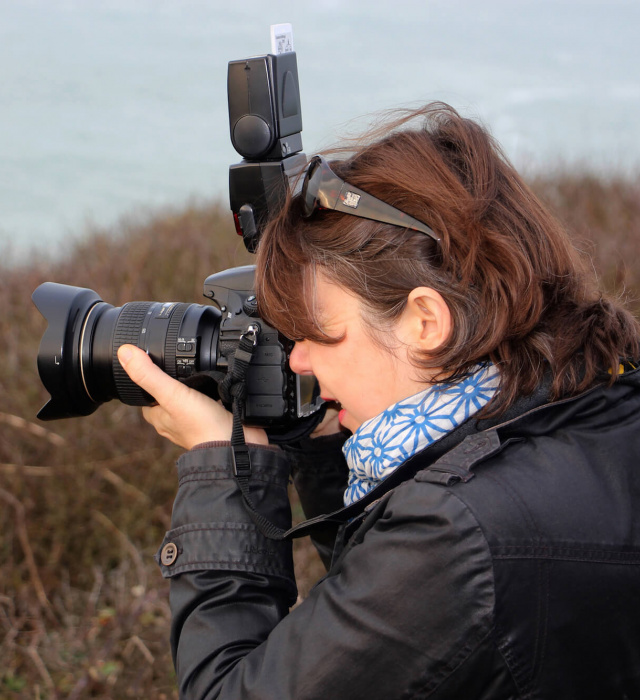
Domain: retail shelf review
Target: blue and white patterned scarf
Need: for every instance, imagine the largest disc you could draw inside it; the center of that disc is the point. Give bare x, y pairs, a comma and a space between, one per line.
383, 443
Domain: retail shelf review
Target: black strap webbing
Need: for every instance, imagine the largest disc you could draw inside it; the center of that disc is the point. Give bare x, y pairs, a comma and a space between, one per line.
233, 389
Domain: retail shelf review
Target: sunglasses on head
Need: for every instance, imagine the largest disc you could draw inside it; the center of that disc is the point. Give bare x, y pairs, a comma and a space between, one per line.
323, 189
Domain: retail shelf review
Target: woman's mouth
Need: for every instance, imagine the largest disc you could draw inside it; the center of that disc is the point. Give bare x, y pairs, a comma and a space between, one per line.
334, 403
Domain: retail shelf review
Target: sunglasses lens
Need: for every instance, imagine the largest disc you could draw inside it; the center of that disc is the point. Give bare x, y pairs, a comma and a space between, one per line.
310, 187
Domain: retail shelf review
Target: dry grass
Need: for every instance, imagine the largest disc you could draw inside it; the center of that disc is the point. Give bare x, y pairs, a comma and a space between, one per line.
85, 502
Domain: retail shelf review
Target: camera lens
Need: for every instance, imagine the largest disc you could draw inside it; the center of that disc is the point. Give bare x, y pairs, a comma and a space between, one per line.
77, 360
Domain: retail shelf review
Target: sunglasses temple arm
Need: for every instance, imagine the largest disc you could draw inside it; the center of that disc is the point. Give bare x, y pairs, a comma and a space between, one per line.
370, 207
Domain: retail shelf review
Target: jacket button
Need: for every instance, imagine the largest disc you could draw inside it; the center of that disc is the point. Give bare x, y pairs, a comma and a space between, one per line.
169, 554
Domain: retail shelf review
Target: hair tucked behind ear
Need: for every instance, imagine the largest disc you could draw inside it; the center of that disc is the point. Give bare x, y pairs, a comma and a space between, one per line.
518, 291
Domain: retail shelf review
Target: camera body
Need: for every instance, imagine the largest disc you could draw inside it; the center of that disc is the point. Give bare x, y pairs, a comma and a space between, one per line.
196, 343
276, 396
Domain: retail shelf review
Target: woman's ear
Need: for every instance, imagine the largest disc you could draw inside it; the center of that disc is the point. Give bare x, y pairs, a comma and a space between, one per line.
426, 319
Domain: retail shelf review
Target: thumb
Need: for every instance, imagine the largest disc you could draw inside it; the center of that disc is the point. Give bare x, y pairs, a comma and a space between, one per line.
148, 376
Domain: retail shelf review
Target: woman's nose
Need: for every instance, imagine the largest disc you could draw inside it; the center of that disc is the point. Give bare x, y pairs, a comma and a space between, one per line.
299, 358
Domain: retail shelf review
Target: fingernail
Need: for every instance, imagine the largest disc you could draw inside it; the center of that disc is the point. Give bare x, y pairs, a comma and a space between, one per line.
124, 354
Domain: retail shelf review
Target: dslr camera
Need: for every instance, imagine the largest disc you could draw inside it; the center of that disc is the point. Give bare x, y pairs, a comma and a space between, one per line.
197, 343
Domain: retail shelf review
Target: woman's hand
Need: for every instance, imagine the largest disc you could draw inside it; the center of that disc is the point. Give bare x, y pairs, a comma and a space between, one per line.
183, 415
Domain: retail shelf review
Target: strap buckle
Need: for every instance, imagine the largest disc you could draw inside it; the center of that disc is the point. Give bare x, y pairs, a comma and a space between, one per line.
241, 461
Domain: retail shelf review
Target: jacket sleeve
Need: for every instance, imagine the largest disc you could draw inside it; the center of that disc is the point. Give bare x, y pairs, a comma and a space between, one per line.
406, 608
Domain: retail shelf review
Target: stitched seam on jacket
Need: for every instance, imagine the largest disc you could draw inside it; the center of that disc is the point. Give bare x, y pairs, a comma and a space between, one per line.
583, 560
540, 648
559, 546
231, 564
516, 669
205, 527
280, 572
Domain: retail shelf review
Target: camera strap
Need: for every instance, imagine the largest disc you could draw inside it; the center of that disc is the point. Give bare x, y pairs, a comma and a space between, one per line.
233, 389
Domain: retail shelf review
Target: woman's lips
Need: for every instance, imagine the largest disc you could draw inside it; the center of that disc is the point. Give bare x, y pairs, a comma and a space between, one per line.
330, 399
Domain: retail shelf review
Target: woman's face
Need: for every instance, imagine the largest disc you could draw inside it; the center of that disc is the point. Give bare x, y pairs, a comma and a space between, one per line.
363, 376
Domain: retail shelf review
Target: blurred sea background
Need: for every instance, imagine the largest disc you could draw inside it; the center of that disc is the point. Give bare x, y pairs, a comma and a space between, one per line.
116, 106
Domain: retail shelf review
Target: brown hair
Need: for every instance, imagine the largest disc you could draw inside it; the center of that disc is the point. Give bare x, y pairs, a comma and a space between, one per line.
519, 293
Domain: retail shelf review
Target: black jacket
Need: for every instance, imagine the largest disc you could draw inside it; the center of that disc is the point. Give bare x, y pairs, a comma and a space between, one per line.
502, 562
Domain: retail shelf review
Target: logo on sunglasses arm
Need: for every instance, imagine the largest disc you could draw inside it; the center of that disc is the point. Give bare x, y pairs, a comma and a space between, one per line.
351, 199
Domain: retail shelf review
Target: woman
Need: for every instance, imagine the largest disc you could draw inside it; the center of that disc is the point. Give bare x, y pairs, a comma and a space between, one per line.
483, 533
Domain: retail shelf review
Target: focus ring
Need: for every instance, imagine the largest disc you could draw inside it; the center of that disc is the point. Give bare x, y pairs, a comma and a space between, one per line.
128, 327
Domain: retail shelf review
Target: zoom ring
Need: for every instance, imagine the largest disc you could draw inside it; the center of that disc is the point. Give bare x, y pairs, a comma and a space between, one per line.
128, 327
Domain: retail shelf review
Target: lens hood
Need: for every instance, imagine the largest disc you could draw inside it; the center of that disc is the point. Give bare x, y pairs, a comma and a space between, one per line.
65, 308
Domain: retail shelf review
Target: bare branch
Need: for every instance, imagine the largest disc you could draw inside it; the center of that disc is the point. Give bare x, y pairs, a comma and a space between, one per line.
37, 430
21, 529
7, 468
127, 544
